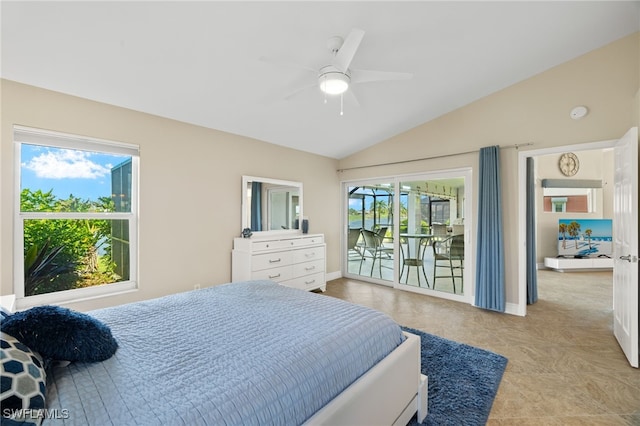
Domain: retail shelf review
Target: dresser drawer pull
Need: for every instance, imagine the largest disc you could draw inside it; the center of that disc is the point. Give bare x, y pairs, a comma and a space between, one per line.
310, 282
274, 276
309, 268
275, 260
312, 254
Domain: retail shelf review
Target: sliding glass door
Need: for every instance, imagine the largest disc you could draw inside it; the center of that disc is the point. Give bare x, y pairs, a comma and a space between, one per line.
410, 232
369, 250
431, 233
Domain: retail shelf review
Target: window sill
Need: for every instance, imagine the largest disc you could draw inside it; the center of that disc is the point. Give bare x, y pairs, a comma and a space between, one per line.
76, 295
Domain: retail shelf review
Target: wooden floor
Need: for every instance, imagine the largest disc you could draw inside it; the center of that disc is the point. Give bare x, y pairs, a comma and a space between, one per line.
565, 366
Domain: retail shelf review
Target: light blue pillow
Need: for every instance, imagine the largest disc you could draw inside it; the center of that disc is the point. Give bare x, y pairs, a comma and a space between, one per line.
4, 313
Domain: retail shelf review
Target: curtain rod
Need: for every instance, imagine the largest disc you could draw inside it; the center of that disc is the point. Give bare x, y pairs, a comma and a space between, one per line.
516, 146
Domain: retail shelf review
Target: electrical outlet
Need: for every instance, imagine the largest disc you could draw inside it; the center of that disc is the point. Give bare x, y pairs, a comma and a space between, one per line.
196, 287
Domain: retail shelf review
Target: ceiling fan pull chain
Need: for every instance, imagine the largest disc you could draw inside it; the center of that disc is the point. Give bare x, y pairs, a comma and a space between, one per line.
324, 92
341, 104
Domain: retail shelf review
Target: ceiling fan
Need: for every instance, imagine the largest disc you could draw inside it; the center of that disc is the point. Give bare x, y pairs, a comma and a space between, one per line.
336, 77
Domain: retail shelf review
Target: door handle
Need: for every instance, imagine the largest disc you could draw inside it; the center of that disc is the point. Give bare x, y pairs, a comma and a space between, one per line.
629, 258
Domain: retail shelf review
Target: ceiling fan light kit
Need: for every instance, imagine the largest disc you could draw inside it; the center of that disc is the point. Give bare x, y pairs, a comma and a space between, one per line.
332, 81
337, 77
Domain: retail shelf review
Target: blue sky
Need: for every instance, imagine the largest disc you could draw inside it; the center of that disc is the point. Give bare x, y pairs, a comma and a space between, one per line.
600, 227
84, 174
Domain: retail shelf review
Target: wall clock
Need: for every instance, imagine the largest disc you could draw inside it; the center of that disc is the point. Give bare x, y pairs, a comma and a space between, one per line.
569, 164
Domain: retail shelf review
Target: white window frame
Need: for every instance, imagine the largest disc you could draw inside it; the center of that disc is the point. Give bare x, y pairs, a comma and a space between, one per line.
53, 139
559, 202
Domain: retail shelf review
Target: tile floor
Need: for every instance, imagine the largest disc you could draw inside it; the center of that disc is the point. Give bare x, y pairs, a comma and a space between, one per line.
565, 366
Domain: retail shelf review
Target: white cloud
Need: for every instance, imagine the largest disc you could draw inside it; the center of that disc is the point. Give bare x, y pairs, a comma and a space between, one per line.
62, 164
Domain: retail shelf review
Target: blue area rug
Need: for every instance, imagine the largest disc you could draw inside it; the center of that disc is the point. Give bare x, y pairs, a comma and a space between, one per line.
463, 381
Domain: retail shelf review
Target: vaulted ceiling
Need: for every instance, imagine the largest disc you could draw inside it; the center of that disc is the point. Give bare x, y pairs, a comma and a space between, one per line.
199, 62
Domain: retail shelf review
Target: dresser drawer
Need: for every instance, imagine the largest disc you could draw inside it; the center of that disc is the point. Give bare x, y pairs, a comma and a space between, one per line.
276, 274
307, 241
271, 260
271, 245
305, 255
315, 239
308, 268
309, 282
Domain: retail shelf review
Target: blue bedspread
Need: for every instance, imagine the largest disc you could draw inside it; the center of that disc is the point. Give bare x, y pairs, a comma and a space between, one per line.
251, 353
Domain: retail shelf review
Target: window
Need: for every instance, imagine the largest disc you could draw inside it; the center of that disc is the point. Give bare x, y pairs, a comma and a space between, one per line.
76, 210
558, 204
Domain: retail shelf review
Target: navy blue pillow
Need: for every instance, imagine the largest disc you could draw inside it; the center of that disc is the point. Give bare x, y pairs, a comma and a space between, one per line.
61, 334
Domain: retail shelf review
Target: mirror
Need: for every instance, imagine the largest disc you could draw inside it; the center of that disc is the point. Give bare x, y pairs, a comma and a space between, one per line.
572, 196
572, 200
271, 204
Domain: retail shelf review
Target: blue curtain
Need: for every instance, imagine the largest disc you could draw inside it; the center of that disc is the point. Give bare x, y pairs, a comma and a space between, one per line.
256, 206
532, 274
490, 292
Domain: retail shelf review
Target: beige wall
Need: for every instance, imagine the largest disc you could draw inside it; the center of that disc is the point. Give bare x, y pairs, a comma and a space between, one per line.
190, 186
535, 110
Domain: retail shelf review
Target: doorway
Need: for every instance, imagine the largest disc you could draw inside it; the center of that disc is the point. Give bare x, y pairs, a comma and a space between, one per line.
624, 236
599, 204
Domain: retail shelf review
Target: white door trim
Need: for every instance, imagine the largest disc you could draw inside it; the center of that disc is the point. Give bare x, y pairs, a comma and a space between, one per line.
521, 308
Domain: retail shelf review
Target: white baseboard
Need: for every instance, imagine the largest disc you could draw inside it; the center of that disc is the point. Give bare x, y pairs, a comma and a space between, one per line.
333, 275
512, 308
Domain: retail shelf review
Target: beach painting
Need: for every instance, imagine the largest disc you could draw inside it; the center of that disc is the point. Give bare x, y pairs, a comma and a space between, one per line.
585, 237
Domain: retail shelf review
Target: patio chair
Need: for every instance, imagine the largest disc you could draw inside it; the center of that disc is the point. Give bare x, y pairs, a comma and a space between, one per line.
382, 238
439, 231
417, 260
353, 248
382, 232
449, 254
374, 249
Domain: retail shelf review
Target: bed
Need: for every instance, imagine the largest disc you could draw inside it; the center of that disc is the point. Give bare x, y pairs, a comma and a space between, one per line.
246, 353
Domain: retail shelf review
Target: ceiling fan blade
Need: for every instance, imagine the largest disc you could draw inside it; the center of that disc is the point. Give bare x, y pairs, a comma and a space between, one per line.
352, 98
365, 76
299, 90
286, 64
348, 49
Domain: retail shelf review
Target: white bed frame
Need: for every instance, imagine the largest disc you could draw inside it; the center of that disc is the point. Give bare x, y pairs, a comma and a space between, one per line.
388, 394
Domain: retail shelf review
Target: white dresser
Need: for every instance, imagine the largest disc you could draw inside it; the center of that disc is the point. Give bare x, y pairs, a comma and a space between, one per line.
291, 260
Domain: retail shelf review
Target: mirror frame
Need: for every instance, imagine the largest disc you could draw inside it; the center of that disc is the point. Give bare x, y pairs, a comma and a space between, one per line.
592, 188
245, 204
